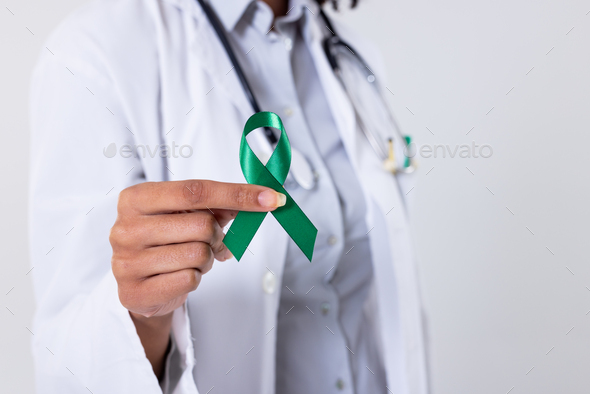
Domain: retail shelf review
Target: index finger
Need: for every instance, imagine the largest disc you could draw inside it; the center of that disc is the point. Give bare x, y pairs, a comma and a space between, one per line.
171, 196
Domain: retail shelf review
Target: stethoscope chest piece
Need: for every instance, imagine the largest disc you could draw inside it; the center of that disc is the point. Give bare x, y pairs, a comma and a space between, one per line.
301, 171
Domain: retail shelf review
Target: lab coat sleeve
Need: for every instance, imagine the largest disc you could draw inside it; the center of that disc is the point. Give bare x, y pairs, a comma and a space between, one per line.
84, 339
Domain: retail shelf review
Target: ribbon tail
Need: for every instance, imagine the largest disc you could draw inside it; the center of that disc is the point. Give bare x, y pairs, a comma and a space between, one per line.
242, 231
297, 225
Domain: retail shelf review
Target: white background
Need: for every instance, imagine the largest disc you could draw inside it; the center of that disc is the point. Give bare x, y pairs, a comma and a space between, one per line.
502, 241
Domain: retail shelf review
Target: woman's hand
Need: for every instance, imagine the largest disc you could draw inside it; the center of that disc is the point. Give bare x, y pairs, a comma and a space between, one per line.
166, 236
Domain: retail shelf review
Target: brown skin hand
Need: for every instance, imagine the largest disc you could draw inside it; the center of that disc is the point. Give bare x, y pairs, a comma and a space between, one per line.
166, 237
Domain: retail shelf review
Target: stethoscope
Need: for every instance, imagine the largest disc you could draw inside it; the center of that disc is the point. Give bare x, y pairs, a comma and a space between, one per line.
335, 49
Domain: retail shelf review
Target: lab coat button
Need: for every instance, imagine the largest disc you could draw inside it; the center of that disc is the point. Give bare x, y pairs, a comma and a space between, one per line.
288, 43
340, 384
325, 308
269, 283
332, 240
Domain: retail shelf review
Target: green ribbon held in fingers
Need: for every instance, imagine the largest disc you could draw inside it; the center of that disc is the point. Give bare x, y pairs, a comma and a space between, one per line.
273, 175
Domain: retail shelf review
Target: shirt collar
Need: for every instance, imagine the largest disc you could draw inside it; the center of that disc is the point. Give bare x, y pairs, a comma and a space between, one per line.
231, 11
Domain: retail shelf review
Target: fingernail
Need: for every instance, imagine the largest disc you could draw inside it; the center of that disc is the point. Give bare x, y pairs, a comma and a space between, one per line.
272, 199
227, 255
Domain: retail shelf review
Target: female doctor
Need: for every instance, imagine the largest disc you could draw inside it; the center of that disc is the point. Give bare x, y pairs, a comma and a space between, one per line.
136, 292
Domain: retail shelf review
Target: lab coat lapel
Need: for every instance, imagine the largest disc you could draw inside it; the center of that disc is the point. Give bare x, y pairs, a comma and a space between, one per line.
340, 106
213, 57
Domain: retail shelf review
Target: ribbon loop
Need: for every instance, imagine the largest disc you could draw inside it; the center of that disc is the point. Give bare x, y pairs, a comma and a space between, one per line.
273, 175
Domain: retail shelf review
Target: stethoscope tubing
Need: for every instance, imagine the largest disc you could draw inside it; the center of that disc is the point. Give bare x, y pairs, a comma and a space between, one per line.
218, 27
334, 40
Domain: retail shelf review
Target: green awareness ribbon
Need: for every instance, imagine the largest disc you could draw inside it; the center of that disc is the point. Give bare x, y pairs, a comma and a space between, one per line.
408, 142
273, 175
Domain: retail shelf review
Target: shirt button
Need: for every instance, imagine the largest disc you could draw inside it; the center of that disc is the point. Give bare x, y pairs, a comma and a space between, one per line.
340, 384
332, 240
325, 308
288, 111
269, 283
288, 43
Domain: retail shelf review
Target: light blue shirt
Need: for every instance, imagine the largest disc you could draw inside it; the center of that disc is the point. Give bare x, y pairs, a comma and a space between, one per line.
325, 343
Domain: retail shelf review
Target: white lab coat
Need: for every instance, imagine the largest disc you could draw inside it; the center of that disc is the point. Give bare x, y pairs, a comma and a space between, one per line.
152, 72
